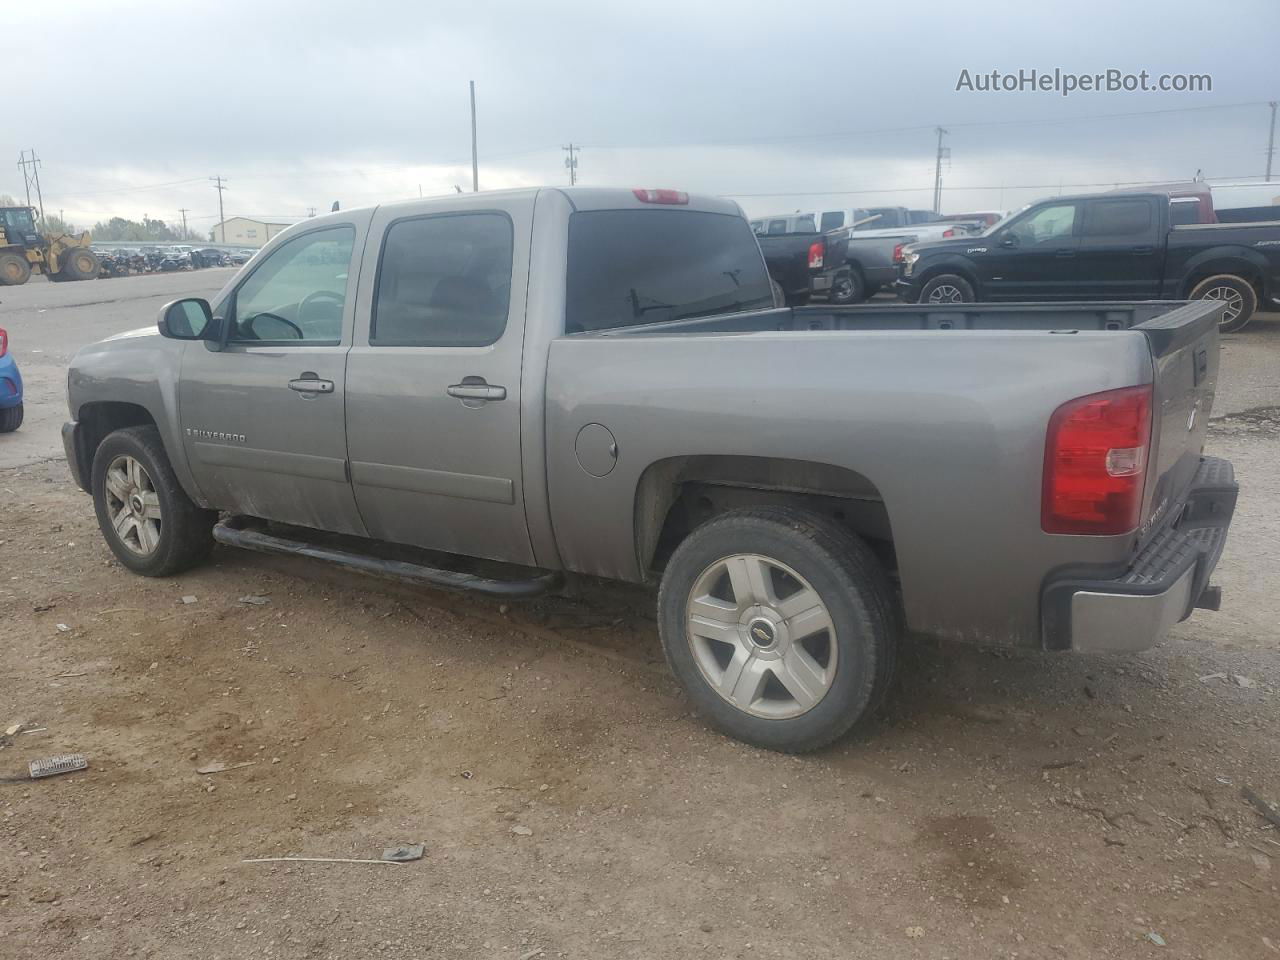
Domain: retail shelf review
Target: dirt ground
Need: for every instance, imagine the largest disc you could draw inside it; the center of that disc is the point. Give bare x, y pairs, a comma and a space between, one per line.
1005, 805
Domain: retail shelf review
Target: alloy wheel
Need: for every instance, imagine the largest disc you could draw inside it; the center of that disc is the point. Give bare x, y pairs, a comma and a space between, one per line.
133, 505
761, 636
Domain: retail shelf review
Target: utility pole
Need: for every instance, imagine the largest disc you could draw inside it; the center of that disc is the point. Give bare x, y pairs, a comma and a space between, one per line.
1271, 140
220, 185
571, 163
183, 211
311, 212
31, 176
475, 163
937, 171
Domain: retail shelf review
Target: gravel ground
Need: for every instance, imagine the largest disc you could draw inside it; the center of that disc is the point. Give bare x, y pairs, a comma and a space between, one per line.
1005, 805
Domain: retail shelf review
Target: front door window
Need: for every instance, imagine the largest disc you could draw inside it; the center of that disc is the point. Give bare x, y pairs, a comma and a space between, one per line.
298, 293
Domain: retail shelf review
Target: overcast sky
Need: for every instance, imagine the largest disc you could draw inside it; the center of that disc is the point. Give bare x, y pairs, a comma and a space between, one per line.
301, 102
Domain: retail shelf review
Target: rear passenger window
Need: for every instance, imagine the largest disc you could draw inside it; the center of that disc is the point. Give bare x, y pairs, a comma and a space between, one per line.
1118, 218
805, 225
443, 282
777, 226
832, 220
630, 267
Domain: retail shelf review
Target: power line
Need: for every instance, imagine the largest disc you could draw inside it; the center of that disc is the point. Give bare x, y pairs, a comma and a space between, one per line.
1000, 186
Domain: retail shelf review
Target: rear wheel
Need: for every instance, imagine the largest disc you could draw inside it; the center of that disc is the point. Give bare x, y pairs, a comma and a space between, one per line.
947, 288
780, 626
1238, 294
847, 288
10, 419
147, 519
14, 269
80, 263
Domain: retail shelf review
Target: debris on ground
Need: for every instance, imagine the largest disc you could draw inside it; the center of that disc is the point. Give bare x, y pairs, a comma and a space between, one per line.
404, 853
1267, 810
52, 766
255, 599
315, 860
1247, 682
1156, 939
1213, 676
915, 933
63, 628
530, 954
14, 730
189, 599
521, 831
219, 767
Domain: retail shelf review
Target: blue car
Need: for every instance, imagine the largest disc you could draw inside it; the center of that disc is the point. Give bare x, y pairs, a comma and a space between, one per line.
10, 388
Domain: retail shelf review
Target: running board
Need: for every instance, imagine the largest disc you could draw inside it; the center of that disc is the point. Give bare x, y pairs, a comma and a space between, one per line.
235, 533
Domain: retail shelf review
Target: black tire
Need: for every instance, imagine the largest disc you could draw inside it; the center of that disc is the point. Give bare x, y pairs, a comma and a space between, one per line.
846, 288
80, 263
949, 288
185, 530
15, 270
872, 290
850, 583
10, 419
1221, 287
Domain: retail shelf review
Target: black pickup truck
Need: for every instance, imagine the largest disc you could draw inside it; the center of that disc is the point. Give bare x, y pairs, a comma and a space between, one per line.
1101, 247
804, 264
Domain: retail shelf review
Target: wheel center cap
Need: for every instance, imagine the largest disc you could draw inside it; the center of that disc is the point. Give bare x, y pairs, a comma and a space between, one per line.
135, 504
762, 633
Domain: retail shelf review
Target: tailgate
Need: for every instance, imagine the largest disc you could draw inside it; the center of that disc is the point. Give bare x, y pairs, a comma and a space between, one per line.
1184, 354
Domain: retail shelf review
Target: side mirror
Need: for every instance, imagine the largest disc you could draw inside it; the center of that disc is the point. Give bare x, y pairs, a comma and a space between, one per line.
188, 319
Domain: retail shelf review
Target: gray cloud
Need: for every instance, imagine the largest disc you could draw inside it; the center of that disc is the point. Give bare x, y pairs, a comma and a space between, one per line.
298, 103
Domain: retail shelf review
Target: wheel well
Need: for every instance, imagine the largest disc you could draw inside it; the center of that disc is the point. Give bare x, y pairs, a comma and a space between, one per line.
936, 271
677, 495
1247, 272
97, 420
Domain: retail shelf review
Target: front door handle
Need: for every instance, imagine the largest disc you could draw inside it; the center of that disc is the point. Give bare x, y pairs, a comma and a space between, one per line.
311, 385
1065, 252
477, 391
1142, 249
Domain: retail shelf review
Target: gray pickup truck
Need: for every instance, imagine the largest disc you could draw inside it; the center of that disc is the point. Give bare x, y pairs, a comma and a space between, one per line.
497, 391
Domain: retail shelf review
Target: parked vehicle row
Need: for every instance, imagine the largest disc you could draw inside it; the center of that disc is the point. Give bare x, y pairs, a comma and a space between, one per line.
1113, 246
801, 488
122, 261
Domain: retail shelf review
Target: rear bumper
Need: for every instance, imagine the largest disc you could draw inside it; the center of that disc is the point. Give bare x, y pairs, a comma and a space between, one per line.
1167, 580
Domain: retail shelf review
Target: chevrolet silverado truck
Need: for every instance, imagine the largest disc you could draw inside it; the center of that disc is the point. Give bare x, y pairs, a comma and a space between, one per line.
499, 391
1107, 246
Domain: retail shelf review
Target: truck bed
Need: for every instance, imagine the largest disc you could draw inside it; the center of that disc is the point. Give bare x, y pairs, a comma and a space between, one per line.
939, 413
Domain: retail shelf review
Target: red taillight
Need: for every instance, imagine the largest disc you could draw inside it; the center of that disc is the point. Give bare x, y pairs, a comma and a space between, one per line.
4, 342
815, 255
660, 196
948, 234
1095, 460
897, 252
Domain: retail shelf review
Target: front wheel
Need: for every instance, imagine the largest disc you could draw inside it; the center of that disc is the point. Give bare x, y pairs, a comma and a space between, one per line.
947, 288
147, 519
80, 263
1238, 294
780, 626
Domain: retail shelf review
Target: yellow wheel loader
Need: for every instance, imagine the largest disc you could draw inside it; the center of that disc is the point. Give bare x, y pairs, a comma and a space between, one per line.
23, 249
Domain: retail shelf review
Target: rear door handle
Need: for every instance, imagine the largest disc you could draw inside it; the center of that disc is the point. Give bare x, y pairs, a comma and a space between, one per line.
477, 391
1065, 252
311, 385
1142, 249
